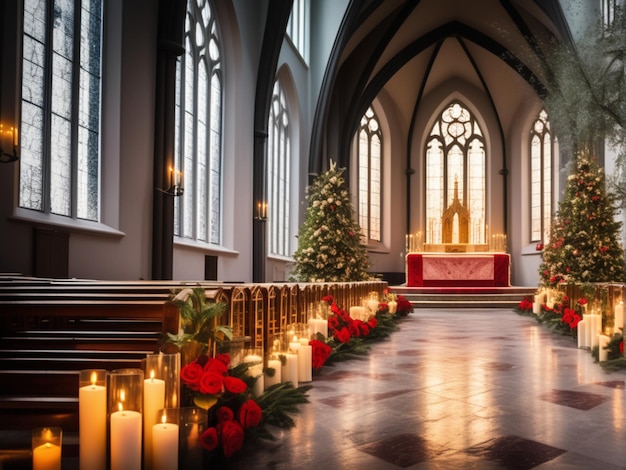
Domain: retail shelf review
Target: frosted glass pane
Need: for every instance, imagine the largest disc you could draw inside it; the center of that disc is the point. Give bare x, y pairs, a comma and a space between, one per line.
60, 167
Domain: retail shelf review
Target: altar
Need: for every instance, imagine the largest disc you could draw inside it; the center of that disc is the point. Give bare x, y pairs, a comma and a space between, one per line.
478, 269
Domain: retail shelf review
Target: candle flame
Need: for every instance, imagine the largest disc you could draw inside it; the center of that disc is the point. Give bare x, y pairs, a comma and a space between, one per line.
94, 378
152, 375
163, 419
120, 407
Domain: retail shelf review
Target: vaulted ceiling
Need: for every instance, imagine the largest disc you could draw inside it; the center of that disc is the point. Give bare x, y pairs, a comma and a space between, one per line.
408, 48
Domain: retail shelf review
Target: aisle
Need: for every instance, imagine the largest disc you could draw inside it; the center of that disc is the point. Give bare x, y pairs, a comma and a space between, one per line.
451, 389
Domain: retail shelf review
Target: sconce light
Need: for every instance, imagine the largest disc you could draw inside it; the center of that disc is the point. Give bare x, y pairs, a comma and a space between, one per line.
8, 144
261, 211
175, 179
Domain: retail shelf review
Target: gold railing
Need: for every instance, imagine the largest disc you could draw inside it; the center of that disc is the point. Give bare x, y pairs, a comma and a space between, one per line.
257, 312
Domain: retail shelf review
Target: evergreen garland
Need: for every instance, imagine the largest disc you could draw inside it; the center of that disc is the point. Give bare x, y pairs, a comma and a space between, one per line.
330, 247
583, 245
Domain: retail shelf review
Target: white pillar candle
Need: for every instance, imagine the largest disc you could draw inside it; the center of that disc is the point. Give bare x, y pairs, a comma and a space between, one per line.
603, 342
319, 325
393, 306
372, 305
255, 370
289, 371
153, 402
618, 323
47, 457
92, 412
305, 364
126, 440
537, 304
165, 446
275, 379
582, 334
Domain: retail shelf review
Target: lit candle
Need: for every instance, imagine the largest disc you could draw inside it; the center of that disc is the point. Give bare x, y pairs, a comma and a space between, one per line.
619, 318
372, 305
125, 440
289, 371
92, 410
318, 325
255, 370
47, 457
582, 333
603, 342
153, 401
305, 363
276, 378
165, 445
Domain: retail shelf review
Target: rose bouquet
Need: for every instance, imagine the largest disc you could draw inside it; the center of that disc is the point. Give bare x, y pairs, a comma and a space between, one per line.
233, 416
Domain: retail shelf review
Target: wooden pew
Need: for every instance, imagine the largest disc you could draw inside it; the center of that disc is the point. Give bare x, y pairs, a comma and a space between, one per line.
49, 332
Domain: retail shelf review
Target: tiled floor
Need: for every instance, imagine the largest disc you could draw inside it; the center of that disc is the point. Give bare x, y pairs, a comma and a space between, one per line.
458, 389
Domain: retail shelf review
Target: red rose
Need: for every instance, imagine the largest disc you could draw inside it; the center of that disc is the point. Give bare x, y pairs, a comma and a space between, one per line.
211, 383
225, 358
217, 366
224, 413
235, 385
209, 439
250, 414
343, 335
191, 375
232, 437
372, 322
621, 347
320, 353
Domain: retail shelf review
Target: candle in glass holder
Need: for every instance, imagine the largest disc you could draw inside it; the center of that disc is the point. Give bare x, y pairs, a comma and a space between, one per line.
273, 363
254, 359
164, 445
92, 411
153, 401
47, 448
289, 371
126, 396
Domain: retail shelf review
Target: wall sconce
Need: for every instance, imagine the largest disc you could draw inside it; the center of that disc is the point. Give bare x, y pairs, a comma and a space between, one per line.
175, 178
8, 144
261, 211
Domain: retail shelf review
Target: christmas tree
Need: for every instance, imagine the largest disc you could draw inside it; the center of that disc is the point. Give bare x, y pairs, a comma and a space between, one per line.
329, 241
583, 245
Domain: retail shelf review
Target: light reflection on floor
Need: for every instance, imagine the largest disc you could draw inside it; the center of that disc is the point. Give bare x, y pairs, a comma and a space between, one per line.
457, 388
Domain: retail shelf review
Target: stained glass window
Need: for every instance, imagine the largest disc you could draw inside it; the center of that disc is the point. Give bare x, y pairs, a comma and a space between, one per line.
370, 176
455, 155
278, 168
61, 95
198, 139
541, 157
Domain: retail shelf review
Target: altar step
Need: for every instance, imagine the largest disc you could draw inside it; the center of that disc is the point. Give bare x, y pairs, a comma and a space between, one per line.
469, 297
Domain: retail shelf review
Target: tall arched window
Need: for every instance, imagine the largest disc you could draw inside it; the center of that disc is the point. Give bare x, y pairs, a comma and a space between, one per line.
456, 165
542, 147
370, 154
278, 158
198, 141
60, 125
298, 28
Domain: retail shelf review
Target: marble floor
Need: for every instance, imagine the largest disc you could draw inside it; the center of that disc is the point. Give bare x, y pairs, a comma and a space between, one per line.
458, 389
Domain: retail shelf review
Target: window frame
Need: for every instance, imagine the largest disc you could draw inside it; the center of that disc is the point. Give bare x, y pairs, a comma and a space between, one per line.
43, 210
205, 173
544, 219
279, 182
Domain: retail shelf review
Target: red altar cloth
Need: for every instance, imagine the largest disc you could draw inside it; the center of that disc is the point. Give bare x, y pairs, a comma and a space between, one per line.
458, 270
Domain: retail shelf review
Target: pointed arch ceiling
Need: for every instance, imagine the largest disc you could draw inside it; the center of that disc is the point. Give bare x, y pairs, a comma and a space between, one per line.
407, 48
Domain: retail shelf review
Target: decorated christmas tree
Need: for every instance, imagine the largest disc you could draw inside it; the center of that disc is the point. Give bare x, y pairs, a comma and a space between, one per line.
329, 241
583, 245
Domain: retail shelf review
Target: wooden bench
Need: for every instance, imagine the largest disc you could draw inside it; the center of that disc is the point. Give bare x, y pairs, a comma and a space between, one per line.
49, 332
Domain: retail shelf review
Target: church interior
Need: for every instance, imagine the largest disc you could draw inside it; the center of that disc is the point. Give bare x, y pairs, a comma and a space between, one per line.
149, 146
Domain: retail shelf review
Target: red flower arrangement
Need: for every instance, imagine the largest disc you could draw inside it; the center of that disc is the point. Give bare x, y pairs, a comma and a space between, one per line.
404, 306
320, 353
526, 304
231, 411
